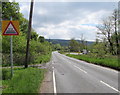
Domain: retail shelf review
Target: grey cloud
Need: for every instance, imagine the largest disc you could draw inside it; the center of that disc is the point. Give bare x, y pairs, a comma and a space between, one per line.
59, 12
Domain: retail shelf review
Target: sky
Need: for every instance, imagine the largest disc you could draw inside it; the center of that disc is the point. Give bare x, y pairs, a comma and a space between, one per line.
66, 20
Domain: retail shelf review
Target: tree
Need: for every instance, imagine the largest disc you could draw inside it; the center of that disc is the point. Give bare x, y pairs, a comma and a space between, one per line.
34, 35
10, 9
57, 47
106, 31
109, 29
23, 25
74, 45
41, 39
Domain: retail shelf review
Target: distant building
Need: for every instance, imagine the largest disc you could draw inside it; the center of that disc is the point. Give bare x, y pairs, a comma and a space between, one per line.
85, 51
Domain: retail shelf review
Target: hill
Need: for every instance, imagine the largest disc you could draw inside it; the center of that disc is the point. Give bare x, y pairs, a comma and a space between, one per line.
63, 42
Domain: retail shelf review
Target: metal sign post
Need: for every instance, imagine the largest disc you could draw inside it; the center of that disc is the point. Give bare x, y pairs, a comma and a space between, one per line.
11, 55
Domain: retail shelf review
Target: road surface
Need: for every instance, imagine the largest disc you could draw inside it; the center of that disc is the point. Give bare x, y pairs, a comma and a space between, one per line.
74, 76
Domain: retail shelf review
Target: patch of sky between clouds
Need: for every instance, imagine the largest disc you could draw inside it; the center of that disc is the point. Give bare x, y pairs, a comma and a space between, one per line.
90, 24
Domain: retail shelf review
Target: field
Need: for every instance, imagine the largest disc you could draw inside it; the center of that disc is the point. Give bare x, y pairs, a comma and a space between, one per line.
107, 62
24, 80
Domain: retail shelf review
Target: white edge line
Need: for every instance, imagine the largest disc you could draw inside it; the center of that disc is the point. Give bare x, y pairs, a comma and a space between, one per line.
80, 69
54, 82
110, 86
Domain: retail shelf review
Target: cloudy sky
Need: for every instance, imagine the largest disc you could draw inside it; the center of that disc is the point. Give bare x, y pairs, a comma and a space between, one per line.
66, 20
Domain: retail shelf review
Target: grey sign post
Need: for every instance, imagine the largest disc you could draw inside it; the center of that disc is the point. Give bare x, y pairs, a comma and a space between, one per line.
11, 53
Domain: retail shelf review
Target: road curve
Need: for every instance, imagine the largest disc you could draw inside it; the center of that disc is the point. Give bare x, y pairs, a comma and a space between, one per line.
74, 76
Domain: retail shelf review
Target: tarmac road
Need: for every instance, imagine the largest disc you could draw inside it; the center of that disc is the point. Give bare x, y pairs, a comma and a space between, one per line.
74, 76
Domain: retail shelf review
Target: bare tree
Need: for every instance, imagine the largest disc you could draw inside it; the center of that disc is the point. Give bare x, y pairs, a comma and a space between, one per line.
106, 31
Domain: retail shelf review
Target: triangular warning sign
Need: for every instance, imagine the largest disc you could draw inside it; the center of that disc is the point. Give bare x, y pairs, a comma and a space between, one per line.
10, 29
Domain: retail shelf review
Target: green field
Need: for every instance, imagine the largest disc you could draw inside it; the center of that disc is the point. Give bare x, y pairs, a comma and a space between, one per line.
107, 62
24, 80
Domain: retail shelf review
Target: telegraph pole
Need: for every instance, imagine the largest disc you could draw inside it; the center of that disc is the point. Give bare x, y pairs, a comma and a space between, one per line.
29, 35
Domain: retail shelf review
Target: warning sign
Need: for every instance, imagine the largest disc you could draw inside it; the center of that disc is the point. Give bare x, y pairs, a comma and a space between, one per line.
10, 28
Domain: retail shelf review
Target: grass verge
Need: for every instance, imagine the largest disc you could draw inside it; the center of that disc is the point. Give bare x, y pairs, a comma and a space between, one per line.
107, 62
24, 80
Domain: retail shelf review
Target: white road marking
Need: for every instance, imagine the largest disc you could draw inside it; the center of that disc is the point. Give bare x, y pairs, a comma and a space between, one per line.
54, 83
53, 67
110, 86
80, 69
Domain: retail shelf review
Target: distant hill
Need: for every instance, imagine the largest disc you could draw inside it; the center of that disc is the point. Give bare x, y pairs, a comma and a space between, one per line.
64, 42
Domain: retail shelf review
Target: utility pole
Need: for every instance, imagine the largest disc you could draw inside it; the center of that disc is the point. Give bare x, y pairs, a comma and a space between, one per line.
29, 35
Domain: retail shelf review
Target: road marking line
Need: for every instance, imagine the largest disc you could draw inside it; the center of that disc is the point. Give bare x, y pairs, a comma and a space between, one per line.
80, 69
54, 83
110, 86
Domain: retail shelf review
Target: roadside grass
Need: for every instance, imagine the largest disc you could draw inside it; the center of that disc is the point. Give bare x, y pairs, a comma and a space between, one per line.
107, 62
24, 80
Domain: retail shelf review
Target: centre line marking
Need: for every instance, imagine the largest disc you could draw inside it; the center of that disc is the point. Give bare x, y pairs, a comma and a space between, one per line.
54, 83
110, 86
80, 69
